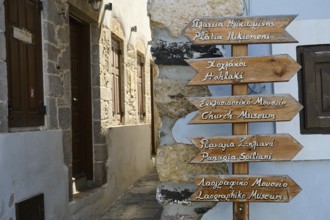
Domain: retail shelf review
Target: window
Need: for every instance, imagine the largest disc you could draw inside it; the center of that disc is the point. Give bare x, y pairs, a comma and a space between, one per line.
32, 208
24, 59
140, 86
314, 89
116, 78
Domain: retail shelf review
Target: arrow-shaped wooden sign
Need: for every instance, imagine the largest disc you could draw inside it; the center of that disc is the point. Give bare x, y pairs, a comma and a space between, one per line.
246, 108
238, 70
240, 30
246, 148
244, 188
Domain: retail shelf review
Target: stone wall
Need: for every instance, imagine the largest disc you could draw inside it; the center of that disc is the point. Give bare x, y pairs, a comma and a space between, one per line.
57, 78
170, 48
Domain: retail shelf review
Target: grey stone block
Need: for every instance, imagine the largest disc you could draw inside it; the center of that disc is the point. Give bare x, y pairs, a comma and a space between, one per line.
100, 152
99, 137
2, 16
2, 45
52, 51
52, 113
67, 146
55, 86
64, 117
100, 173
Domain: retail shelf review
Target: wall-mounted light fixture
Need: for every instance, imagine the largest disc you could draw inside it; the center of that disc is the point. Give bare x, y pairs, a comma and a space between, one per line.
134, 29
108, 7
96, 4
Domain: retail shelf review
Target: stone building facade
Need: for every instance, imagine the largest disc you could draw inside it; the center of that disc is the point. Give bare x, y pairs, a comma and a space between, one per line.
120, 150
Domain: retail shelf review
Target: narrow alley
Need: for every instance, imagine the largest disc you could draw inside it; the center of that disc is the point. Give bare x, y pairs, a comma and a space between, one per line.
139, 202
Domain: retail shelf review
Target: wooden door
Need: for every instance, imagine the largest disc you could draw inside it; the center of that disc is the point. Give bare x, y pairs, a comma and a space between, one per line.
82, 153
24, 62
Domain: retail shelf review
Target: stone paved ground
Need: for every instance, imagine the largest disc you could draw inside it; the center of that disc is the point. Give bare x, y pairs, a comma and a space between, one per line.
139, 203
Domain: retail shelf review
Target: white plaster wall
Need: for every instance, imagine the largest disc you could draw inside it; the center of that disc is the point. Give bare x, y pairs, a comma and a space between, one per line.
130, 13
316, 31
129, 159
32, 163
129, 156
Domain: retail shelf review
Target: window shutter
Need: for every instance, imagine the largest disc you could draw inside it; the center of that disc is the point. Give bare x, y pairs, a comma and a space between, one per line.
25, 87
116, 78
314, 81
140, 86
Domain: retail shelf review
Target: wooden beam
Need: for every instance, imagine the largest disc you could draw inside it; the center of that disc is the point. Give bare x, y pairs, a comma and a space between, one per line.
240, 210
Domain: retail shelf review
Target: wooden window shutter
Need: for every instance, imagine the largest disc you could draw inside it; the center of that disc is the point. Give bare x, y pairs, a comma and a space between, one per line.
116, 78
140, 86
314, 90
24, 59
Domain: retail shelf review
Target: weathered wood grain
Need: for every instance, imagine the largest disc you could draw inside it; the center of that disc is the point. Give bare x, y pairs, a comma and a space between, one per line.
246, 148
245, 108
245, 188
239, 70
240, 30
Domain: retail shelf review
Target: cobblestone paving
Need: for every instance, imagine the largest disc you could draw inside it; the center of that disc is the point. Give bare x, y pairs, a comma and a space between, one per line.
139, 203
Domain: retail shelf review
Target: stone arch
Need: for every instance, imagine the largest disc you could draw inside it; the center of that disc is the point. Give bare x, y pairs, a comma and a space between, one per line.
140, 47
117, 29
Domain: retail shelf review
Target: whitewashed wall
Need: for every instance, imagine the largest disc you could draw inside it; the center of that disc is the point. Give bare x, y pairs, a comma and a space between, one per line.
31, 163
316, 31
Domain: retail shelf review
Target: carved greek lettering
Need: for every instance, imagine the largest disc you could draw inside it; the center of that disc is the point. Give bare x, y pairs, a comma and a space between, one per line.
259, 182
206, 144
254, 24
197, 23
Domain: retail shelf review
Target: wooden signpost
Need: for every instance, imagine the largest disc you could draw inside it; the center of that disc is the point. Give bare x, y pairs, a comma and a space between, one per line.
245, 188
240, 30
245, 108
239, 109
218, 71
246, 148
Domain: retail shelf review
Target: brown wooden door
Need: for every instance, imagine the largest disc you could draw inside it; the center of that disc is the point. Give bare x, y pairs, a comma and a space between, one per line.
24, 59
82, 153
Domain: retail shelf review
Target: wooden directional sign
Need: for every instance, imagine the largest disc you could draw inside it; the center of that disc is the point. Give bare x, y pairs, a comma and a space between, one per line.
240, 30
244, 188
246, 108
246, 148
237, 70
